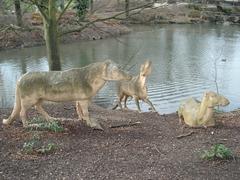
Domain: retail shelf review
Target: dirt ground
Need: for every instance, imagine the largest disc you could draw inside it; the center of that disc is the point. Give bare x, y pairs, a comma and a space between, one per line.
149, 150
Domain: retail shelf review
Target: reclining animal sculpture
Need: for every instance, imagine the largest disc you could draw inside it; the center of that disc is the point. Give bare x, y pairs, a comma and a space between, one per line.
78, 84
196, 114
136, 88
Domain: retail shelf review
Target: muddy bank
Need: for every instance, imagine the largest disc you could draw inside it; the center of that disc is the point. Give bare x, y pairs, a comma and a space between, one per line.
15, 37
149, 150
183, 13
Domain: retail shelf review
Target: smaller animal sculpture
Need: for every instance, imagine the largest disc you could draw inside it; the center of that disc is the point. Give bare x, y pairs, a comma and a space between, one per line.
197, 114
79, 85
135, 88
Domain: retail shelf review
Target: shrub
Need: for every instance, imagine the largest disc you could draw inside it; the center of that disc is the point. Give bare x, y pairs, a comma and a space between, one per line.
217, 151
29, 146
194, 14
54, 126
34, 146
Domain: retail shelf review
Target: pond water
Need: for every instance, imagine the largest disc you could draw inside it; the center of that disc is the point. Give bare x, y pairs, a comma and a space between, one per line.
183, 58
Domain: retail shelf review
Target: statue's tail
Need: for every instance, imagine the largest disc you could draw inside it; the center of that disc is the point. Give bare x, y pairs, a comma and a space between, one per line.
16, 108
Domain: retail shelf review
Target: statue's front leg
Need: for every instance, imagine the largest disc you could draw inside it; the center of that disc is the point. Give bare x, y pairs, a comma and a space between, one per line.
82, 107
150, 104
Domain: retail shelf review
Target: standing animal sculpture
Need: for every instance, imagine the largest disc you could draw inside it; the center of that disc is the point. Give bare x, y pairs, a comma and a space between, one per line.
136, 88
196, 114
79, 84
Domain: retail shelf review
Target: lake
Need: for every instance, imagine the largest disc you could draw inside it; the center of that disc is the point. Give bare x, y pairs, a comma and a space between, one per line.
187, 61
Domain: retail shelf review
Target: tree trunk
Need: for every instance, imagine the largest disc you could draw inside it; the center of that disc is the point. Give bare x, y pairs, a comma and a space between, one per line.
61, 5
51, 37
91, 6
18, 12
127, 8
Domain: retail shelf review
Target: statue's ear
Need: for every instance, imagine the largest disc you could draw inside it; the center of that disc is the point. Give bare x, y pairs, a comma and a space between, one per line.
148, 64
106, 63
205, 94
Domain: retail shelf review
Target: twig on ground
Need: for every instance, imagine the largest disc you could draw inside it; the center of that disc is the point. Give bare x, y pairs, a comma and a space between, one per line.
155, 147
185, 135
124, 124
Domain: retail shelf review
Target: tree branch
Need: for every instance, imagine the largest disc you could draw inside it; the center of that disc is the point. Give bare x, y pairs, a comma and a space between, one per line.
64, 10
104, 19
41, 8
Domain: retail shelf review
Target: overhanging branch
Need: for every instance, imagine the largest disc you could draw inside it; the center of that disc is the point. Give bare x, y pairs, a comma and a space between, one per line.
104, 19
64, 10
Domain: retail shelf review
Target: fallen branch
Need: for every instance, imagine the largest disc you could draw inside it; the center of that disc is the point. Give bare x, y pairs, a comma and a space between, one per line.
185, 135
124, 124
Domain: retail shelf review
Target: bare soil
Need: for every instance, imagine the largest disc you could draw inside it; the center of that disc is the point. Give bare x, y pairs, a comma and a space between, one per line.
149, 150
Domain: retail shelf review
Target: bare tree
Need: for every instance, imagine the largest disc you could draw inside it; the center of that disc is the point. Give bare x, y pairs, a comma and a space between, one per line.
91, 6
18, 12
127, 8
48, 10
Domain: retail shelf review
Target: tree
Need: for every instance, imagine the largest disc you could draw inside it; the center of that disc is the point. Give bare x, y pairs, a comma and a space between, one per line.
127, 8
91, 6
18, 12
48, 11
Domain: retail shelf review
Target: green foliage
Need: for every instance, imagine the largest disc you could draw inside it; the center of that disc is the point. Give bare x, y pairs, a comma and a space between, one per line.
34, 146
217, 151
236, 9
81, 7
227, 11
47, 149
29, 146
53, 126
50, 126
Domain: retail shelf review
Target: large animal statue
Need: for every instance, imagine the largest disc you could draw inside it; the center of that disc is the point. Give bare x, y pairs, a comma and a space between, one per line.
197, 114
136, 88
79, 84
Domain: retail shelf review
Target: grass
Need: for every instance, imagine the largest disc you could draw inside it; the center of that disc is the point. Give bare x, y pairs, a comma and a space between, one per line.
217, 152
44, 125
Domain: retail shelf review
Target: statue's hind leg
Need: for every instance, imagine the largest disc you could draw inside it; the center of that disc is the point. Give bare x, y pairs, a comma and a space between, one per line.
23, 116
39, 108
125, 102
120, 101
25, 105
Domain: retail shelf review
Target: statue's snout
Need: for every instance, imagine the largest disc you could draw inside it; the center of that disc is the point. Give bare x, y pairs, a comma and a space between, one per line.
224, 102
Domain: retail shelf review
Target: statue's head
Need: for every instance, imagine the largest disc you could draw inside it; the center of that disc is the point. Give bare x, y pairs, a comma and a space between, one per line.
112, 72
215, 99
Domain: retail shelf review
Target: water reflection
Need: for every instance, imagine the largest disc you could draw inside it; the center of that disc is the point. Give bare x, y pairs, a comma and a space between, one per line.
182, 55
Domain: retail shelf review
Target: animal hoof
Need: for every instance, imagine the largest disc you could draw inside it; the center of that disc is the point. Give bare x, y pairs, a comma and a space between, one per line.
98, 127
94, 124
6, 122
